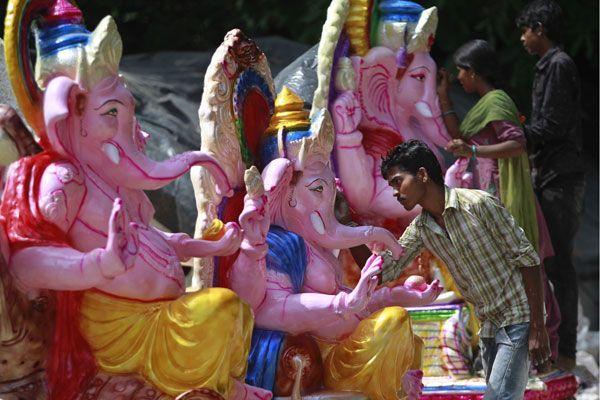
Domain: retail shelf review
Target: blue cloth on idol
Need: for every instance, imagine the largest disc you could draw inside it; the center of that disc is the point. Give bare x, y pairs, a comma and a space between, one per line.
287, 254
270, 147
262, 360
400, 11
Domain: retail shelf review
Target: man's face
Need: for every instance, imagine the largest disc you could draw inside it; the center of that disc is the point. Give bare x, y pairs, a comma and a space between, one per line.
409, 189
530, 38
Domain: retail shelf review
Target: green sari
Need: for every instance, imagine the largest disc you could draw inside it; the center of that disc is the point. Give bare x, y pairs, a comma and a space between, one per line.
516, 191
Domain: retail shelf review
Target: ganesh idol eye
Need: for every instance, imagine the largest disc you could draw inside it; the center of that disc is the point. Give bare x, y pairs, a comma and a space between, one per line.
420, 76
318, 189
113, 112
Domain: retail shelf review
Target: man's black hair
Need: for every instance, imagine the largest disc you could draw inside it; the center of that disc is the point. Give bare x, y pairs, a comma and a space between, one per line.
480, 57
410, 156
545, 12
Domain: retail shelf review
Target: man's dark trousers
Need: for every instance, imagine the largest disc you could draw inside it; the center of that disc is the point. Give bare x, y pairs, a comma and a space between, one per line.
562, 204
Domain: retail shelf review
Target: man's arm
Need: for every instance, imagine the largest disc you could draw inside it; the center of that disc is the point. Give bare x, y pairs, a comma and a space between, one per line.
507, 232
412, 243
557, 107
539, 344
512, 238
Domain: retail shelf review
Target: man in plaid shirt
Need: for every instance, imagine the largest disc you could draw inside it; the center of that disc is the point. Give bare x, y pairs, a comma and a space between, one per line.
492, 262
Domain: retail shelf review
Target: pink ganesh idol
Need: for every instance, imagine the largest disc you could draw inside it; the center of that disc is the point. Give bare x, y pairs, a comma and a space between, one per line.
78, 224
287, 271
384, 92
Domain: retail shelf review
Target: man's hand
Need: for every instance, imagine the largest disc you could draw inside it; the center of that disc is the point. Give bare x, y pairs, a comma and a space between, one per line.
539, 347
539, 344
384, 239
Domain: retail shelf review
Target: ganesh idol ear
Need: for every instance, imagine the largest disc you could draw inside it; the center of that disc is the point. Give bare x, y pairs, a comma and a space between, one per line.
62, 97
277, 172
276, 176
424, 33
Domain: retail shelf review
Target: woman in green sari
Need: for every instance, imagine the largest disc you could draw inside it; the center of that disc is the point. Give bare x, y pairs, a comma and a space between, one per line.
491, 134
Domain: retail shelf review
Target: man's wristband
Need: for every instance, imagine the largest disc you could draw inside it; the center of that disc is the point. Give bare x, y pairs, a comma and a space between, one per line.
448, 112
474, 151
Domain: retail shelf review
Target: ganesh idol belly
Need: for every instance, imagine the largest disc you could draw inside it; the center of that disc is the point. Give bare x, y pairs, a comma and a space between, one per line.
156, 272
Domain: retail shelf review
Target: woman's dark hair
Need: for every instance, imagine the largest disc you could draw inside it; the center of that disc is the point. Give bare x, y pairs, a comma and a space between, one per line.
544, 12
410, 156
480, 57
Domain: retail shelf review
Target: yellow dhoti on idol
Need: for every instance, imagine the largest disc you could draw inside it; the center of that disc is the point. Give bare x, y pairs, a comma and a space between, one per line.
375, 357
200, 340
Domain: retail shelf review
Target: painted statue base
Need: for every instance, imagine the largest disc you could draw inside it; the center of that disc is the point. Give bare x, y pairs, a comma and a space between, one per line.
330, 395
102, 387
447, 342
31, 387
127, 387
556, 386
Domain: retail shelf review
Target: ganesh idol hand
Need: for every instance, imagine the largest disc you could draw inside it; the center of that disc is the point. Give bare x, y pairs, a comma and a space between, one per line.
229, 243
346, 113
404, 296
122, 245
255, 223
409, 296
255, 218
357, 300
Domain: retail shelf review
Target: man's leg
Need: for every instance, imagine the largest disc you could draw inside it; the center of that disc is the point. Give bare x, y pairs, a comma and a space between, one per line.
507, 377
562, 206
487, 346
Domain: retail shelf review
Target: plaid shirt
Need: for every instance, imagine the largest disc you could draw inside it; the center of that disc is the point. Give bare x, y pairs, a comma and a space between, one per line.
483, 248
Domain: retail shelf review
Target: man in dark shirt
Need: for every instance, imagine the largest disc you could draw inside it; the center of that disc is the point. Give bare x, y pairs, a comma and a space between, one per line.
554, 143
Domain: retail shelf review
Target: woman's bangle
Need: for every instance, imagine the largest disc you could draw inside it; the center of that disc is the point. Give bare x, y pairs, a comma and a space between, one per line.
474, 151
448, 112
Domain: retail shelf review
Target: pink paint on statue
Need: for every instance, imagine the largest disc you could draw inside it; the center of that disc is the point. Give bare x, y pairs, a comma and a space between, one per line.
457, 175
63, 11
305, 207
301, 192
416, 282
408, 107
393, 98
77, 216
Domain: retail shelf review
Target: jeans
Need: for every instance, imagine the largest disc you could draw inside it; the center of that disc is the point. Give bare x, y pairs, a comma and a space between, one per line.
505, 359
562, 204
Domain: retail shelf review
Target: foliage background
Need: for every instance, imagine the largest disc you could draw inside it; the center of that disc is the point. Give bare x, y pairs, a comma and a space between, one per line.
199, 25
